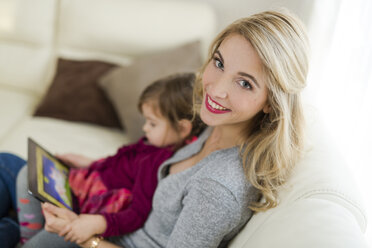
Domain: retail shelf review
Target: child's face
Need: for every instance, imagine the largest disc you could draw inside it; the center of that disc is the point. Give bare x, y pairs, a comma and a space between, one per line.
157, 129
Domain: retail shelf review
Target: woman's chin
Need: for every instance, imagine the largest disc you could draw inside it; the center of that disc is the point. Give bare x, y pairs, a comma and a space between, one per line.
206, 117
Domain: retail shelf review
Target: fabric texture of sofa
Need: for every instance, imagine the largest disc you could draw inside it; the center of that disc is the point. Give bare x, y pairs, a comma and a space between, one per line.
320, 205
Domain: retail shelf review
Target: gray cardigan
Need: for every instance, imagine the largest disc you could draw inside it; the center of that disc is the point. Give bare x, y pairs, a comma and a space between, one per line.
203, 206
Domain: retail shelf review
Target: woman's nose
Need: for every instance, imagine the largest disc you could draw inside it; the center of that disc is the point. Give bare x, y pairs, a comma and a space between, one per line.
219, 89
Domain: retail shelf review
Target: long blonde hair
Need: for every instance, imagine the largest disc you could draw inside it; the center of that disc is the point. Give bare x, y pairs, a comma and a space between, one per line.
273, 142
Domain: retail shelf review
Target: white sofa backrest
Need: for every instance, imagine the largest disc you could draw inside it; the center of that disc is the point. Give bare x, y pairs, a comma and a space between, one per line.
320, 206
121, 29
34, 33
26, 43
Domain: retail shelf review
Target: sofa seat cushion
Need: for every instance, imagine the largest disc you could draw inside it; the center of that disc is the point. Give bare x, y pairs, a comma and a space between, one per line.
14, 105
59, 136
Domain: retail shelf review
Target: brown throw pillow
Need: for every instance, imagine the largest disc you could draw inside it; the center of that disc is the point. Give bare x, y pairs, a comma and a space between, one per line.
74, 94
123, 85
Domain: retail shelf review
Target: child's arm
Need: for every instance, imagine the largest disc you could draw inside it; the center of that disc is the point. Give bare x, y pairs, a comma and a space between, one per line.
145, 182
75, 160
84, 227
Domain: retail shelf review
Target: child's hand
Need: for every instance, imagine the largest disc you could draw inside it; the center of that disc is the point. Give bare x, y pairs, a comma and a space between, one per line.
84, 227
75, 160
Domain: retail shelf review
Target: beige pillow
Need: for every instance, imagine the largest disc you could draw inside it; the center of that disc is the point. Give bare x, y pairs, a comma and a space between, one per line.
124, 85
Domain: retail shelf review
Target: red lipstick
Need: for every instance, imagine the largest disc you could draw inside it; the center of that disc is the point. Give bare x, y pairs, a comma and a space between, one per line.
212, 109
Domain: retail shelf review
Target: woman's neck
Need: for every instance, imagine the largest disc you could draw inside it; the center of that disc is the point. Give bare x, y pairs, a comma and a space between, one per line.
222, 138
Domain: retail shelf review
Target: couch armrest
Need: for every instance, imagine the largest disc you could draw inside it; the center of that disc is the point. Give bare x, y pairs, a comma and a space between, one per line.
307, 223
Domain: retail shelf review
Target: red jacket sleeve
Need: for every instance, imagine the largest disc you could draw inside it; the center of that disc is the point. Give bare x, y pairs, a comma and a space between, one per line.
144, 185
118, 171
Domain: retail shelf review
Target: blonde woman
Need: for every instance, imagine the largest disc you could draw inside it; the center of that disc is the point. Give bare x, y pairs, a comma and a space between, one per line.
248, 92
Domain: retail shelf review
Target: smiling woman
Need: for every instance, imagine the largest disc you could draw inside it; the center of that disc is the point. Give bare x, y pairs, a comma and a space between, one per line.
251, 86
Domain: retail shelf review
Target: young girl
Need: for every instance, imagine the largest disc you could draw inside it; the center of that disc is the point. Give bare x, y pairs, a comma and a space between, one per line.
118, 190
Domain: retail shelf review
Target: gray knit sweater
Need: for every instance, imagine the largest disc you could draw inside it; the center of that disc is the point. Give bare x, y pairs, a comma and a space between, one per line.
203, 206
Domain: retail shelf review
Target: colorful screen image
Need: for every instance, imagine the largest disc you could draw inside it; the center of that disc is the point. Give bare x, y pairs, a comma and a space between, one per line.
53, 180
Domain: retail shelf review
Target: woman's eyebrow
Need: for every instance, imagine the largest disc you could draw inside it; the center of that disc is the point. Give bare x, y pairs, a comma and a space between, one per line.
220, 55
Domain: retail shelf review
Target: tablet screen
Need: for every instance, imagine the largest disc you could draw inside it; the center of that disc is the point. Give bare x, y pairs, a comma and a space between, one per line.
48, 177
53, 180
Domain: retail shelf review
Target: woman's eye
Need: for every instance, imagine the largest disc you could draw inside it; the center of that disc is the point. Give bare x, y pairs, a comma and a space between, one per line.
218, 63
152, 124
245, 84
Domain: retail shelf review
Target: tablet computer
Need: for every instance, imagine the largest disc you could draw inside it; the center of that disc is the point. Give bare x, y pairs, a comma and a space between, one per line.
48, 177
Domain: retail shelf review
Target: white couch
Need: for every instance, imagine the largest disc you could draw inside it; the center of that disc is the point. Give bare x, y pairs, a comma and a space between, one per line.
320, 206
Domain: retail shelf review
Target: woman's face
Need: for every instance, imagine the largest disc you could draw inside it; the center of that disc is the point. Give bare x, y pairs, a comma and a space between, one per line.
234, 89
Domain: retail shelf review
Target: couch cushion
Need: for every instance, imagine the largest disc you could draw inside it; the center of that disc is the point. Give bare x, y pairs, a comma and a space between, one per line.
64, 136
74, 94
124, 85
26, 41
14, 106
307, 223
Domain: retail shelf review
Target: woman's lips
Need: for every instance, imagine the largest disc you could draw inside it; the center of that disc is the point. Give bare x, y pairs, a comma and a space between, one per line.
214, 107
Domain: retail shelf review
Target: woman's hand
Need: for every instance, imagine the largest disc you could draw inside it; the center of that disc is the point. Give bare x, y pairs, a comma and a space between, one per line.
57, 218
75, 160
84, 227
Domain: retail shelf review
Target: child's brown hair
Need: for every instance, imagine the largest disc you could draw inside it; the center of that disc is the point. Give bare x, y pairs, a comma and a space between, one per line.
172, 98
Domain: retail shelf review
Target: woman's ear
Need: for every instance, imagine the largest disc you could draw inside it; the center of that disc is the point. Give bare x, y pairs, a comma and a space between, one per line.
184, 128
267, 108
